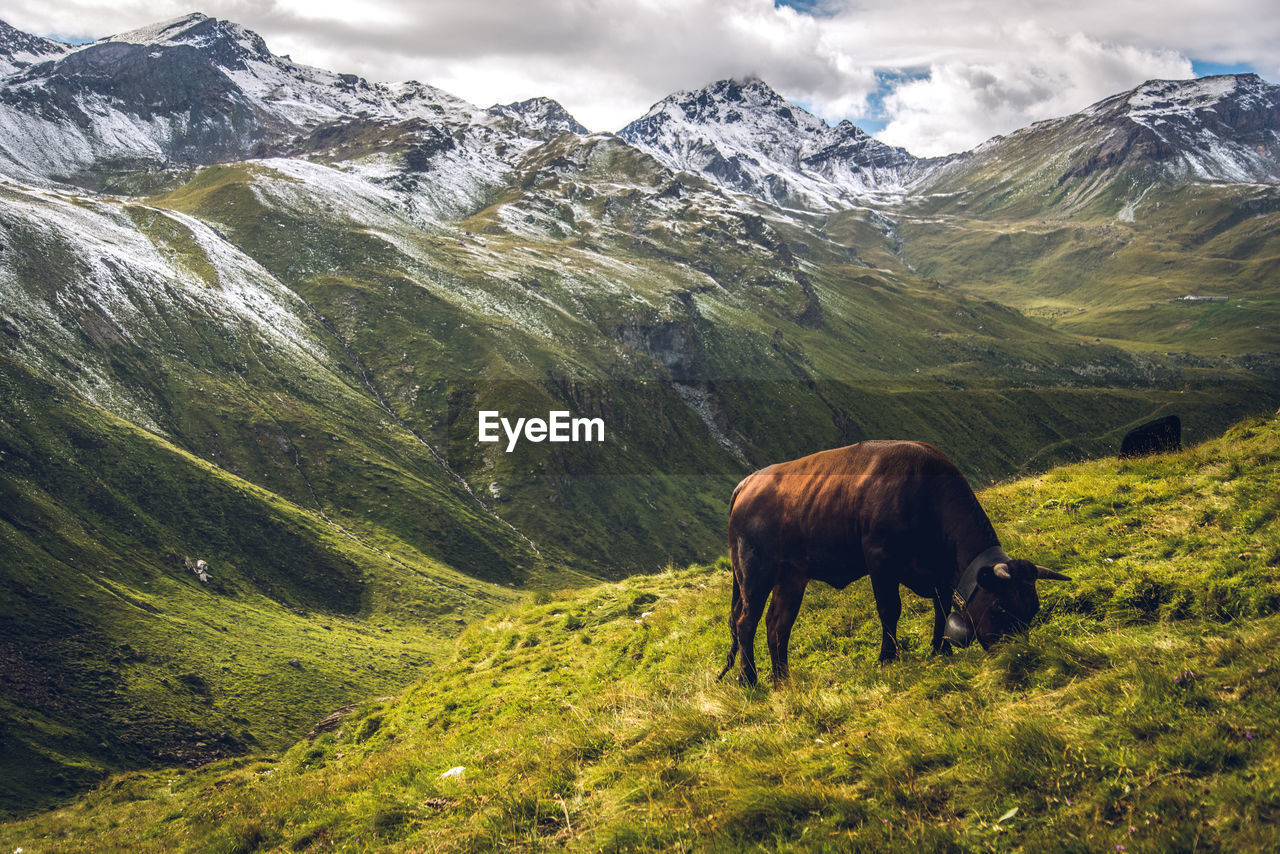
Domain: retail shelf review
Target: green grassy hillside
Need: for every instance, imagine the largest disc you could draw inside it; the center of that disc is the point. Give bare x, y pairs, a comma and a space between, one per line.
1077, 221
116, 655
275, 367
625, 303
1140, 714
1119, 271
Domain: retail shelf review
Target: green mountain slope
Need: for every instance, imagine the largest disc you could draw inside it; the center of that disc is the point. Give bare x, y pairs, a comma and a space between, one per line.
1101, 221
299, 330
1121, 273
276, 365
1138, 715
153, 316
709, 334
117, 655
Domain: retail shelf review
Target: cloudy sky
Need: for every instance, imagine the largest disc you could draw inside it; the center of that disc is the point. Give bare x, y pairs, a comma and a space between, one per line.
933, 76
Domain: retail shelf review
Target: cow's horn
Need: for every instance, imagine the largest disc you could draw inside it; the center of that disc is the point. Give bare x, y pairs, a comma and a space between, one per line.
1002, 571
1047, 574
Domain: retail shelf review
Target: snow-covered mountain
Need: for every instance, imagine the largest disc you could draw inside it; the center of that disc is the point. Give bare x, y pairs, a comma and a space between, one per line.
744, 136
19, 49
542, 114
1222, 129
198, 90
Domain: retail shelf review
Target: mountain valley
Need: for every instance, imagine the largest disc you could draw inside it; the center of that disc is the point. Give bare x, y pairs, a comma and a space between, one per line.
249, 311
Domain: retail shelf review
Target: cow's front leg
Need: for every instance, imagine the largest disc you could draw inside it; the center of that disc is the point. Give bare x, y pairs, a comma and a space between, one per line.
783, 607
941, 646
889, 607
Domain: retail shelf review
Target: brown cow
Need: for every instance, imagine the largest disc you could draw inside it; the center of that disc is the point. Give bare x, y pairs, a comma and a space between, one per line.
1154, 437
900, 512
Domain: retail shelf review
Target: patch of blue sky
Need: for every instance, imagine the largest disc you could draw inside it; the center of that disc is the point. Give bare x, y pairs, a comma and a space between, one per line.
1206, 69
875, 118
816, 8
69, 39
868, 124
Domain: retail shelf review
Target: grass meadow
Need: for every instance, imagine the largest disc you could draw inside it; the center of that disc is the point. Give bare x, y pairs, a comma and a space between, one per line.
1139, 715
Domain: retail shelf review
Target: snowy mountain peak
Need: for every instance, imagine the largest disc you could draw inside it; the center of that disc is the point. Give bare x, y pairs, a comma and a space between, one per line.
171, 31
19, 49
743, 135
728, 102
227, 39
199, 90
1176, 95
542, 115
1157, 100
1220, 128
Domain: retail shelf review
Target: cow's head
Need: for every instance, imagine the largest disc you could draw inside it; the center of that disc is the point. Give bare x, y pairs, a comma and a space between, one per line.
1003, 603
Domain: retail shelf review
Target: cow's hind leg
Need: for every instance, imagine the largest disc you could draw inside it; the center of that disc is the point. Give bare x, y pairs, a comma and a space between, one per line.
755, 576
783, 607
752, 609
735, 612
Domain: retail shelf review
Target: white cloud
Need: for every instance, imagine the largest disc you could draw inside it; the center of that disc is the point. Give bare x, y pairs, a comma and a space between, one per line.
991, 67
1038, 75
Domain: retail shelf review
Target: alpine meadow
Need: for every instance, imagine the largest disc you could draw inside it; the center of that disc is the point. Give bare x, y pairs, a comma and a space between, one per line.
366, 460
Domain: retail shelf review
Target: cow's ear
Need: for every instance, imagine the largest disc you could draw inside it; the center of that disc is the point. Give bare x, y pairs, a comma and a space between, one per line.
987, 578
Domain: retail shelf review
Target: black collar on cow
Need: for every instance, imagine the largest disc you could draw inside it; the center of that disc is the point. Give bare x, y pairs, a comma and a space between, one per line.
969, 578
960, 627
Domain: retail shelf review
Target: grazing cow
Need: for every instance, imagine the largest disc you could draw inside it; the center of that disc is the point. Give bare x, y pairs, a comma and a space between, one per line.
901, 513
1154, 437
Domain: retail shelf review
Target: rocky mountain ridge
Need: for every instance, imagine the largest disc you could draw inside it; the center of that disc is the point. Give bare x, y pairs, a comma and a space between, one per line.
19, 50
1164, 133
544, 114
198, 90
744, 136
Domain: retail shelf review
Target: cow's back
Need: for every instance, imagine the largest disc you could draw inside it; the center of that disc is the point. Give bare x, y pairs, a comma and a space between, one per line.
819, 511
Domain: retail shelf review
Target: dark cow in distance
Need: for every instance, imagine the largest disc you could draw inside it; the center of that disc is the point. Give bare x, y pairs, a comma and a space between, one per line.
1154, 437
899, 512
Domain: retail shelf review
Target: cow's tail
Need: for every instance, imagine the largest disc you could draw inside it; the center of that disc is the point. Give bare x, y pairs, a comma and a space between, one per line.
735, 608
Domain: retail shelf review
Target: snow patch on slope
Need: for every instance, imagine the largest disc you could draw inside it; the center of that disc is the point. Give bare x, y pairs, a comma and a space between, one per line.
115, 286
1220, 128
1158, 98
